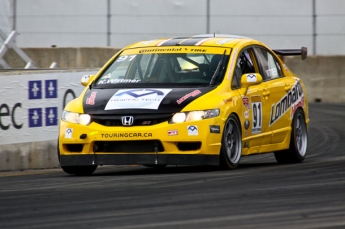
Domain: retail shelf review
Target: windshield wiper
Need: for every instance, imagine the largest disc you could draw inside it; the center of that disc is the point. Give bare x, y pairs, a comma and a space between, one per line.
217, 70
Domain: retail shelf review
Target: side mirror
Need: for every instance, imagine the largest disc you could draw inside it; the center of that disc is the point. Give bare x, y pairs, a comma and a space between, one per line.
86, 79
250, 79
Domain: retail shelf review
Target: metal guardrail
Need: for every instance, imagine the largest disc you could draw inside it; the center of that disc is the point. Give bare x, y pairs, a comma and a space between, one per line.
9, 43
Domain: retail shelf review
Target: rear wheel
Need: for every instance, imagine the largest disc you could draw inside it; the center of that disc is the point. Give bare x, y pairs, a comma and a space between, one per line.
79, 170
298, 143
231, 149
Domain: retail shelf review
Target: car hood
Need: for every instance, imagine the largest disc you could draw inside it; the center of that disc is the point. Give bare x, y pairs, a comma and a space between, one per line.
140, 100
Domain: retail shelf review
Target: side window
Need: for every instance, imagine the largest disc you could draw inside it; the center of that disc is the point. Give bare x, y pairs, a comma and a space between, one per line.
269, 66
244, 64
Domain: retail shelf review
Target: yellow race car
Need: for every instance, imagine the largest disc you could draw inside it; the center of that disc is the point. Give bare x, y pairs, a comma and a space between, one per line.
200, 100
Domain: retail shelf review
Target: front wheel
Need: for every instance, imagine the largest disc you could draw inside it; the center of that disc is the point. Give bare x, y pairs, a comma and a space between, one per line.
231, 149
298, 143
79, 170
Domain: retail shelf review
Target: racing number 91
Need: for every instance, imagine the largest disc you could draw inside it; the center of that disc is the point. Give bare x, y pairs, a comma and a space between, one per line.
257, 115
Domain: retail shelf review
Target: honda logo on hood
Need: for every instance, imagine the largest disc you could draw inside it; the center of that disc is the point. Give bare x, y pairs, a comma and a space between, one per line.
127, 120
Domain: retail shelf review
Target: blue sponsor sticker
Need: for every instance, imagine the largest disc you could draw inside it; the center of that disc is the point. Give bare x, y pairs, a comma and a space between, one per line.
35, 89
51, 116
35, 117
192, 130
51, 89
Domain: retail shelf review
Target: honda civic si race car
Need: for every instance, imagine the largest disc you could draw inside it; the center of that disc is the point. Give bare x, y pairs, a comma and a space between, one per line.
200, 100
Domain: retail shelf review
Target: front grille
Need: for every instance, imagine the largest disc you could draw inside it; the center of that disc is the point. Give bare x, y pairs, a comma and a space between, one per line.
149, 146
139, 120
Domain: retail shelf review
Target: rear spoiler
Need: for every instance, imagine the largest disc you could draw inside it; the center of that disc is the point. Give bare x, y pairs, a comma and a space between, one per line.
292, 52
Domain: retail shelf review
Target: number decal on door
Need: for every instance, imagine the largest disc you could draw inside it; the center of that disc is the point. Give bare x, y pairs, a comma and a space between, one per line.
256, 114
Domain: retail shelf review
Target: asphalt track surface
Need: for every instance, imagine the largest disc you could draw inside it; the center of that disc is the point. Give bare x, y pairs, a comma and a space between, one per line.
259, 194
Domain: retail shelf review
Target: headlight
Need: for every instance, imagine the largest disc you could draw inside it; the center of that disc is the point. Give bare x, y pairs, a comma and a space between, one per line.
82, 119
193, 116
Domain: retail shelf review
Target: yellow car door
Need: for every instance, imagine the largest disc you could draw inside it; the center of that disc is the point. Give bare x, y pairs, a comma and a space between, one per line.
256, 130
275, 92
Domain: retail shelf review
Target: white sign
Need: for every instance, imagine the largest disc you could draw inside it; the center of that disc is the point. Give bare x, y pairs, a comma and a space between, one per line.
31, 104
149, 98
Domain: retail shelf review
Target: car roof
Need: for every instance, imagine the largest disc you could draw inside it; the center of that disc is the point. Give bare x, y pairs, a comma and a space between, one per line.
214, 40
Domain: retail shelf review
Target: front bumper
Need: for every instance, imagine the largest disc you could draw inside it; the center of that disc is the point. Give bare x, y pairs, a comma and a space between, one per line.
169, 144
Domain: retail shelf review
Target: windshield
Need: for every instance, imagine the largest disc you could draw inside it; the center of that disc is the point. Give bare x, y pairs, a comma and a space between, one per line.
164, 68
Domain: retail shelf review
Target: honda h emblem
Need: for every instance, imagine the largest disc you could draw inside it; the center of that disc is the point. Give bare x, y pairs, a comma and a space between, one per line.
127, 120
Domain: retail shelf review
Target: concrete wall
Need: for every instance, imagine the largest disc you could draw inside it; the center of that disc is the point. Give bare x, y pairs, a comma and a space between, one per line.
324, 77
29, 155
87, 57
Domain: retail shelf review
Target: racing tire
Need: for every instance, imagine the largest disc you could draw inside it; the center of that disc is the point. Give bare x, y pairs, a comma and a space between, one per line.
79, 170
298, 142
231, 148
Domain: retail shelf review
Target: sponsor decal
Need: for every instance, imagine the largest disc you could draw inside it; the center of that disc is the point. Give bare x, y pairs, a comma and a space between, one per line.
172, 132
257, 114
113, 81
198, 50
251, 78
294, 98
125, 58
107, 76
192, 94
246, 133
137, 99
91, 99
126, 135
146, 122
246, 124
214, 129
85, 78
68, 133
160, 50
245, 101
246, 114
192, 130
